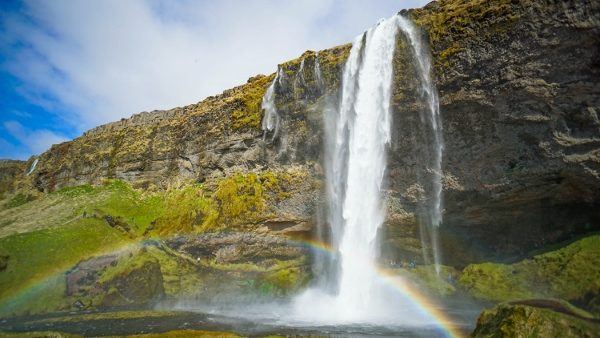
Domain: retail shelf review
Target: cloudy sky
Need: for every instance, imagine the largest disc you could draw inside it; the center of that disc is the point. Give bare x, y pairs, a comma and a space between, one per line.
69, 65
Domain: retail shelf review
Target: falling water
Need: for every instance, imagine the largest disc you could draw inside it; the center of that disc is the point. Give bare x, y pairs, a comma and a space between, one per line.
357, 136
271, 119
318, 74
356, 141
429, 94
300, 75
33, 165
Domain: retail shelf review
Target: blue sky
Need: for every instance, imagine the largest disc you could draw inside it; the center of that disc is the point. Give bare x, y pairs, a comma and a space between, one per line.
69, 65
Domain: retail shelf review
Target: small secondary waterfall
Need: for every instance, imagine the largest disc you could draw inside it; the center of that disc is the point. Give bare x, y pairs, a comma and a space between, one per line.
318, 74
433, 208
33, 165
357, 136
271, 119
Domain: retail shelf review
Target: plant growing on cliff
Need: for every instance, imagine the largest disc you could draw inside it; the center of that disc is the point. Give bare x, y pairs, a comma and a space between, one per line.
250, 98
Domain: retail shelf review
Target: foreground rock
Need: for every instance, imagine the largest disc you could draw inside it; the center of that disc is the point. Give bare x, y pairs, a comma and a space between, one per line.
571, 272
517, 320
190, 270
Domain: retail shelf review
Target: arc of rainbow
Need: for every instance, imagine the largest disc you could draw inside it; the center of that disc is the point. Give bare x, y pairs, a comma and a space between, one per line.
422, 302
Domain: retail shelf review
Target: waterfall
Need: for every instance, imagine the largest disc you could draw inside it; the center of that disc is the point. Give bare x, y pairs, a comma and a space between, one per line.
357, 135
433, 209
318, 74
33, 165
271, 119
356, 140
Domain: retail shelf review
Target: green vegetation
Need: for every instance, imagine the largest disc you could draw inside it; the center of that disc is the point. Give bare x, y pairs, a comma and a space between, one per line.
569, 273
425, 277
36, 258
524, 321
75, 223
452, 21
454, 18
185, 334
18, 200
249, 115
76, 191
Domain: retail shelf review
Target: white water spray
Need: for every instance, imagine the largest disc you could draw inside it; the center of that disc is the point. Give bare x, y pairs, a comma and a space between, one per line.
357, 137
356, 140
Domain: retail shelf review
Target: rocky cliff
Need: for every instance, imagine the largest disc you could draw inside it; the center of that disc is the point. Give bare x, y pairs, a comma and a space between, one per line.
519, 90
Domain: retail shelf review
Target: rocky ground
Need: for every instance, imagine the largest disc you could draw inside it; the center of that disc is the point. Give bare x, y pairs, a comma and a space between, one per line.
200, 204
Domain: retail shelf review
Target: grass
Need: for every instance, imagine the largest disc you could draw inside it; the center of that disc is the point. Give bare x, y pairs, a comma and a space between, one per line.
37, 257
51, 234
18, 200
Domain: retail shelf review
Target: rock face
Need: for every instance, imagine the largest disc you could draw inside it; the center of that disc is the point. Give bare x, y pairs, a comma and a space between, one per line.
113, 281
519, 90
9, 171
526, 321
519, 86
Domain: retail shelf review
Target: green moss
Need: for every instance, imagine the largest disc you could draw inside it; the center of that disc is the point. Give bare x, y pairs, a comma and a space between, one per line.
524, 321
18, 200
131, 207
132, 261
186, 333
249, 115
450, 23
183, 208
242, 198
426, 277
455, 18
76, 191
569, 273
38, 259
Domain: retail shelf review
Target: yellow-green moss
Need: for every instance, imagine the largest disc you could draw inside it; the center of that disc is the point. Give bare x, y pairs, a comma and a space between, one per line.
19, 199
453, 18
185, 334
569, 273
37, 260
249, 114
507, 320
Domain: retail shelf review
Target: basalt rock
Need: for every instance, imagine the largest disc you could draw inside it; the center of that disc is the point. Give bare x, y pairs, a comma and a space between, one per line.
519, 89
517, 320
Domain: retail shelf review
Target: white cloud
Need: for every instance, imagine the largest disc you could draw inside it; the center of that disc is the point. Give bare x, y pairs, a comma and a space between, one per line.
103, 60
35, 141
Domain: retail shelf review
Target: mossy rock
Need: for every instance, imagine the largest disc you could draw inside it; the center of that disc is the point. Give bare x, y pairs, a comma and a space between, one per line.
571, 273
135, 280
507, 320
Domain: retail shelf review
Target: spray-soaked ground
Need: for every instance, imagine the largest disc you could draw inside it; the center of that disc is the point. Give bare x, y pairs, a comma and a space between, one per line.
251, 320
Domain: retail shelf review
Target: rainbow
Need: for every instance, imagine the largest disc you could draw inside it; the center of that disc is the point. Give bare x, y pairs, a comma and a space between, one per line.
427, 306
39, 285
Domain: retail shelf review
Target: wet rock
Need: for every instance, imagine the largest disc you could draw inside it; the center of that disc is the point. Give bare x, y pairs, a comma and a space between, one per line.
4, 262
507, 320
129, 279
